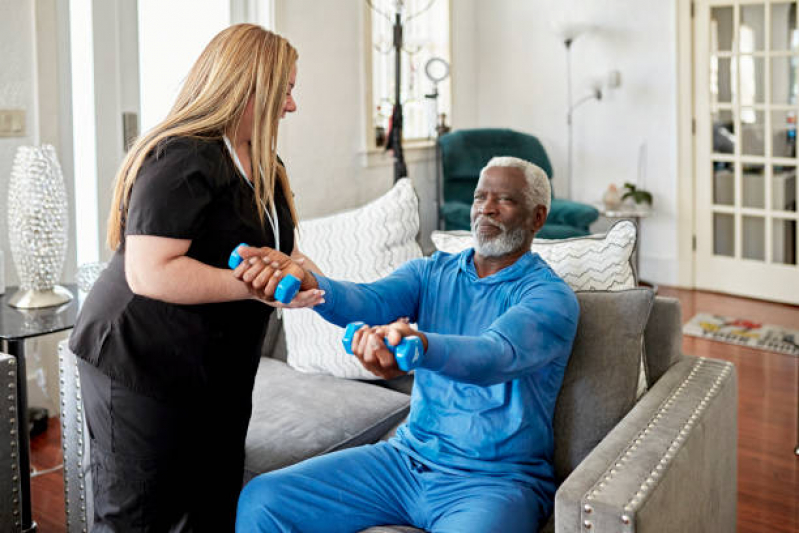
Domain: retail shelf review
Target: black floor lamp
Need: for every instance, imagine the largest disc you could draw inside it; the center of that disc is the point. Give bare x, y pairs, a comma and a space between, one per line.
394, 138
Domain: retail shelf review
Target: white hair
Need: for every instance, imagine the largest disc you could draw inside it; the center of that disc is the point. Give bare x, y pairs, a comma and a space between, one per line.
538, 190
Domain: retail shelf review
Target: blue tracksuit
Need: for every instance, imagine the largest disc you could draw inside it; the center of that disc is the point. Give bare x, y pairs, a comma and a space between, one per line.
476, 453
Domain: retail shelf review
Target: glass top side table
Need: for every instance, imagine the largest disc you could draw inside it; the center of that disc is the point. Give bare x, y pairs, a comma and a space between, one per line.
17, 325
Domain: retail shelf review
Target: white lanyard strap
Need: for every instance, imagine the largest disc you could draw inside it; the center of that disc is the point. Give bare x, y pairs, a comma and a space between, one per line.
273, 220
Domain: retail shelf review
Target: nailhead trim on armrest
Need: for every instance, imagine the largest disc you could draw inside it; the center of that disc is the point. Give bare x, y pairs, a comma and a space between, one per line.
11, 401
70, 506
634, 503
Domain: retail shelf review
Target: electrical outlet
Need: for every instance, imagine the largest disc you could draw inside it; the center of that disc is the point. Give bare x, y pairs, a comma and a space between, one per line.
12, 122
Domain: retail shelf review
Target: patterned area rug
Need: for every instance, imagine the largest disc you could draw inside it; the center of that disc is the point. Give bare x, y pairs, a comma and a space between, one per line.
744, 332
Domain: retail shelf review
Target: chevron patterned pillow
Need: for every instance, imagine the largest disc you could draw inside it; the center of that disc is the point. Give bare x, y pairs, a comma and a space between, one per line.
592, 263
361, 245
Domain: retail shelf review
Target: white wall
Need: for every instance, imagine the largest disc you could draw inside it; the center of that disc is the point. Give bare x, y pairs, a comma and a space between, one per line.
30, 80
323, 143
521, 84
509, 70
17, 91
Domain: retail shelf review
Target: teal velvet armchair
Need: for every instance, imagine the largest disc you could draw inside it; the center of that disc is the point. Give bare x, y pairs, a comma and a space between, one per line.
465, 152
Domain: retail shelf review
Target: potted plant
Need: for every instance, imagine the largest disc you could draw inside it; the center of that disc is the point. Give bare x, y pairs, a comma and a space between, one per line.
638, 196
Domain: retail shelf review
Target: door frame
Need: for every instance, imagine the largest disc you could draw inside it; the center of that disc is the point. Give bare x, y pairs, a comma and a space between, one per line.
689, 186
686, 131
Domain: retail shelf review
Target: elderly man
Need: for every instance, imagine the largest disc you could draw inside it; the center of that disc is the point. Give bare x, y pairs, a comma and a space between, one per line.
497, 325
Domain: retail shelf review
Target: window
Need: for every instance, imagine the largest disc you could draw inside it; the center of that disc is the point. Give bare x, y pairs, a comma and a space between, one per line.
162, 74
425, 36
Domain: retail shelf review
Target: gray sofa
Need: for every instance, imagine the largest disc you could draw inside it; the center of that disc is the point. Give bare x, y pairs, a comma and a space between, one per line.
664, 462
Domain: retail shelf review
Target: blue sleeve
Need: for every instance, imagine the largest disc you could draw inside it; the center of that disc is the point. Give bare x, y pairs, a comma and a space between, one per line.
377, 303
537, 330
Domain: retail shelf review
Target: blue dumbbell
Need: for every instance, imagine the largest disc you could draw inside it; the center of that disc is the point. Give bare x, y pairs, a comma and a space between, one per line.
287, 288
408, 353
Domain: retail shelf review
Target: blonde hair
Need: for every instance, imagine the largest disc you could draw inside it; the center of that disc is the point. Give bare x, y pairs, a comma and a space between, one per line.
538, 192
240, 62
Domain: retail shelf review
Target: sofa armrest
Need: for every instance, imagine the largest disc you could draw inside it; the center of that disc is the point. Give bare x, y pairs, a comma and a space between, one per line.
10, 518
75, 443
669, 465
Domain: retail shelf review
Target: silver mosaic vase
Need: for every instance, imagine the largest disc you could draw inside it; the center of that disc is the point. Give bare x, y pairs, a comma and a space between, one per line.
38, 225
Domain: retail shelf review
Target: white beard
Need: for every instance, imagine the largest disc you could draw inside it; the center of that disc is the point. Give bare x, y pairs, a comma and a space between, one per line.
507, 242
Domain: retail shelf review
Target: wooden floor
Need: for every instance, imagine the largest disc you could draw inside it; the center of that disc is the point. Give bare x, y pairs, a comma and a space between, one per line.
768, 411
768, 423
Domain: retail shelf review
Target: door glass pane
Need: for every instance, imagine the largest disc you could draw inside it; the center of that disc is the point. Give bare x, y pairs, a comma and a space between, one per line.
722, 89
783, 234
783, 26
721, 29
783, 188
723, 234
754, 186
783, 138
723, 183
752, 28
753, 79
784, 80
752, 128
754, 238
723, 131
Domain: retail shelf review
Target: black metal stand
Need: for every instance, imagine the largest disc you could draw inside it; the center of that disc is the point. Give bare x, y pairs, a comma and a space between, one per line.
395, 134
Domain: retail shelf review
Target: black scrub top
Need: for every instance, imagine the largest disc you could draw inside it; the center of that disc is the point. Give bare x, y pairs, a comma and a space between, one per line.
187, 188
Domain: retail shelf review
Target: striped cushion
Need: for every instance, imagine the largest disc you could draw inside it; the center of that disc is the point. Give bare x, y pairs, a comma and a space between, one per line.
361, 245
592, 263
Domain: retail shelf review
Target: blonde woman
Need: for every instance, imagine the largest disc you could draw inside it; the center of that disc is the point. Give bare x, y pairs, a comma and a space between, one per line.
169, 339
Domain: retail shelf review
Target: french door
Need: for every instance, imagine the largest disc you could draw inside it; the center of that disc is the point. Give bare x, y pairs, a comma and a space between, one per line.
746, 61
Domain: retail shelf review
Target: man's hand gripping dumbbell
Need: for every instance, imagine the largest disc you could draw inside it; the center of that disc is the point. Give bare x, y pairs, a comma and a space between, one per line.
376, 347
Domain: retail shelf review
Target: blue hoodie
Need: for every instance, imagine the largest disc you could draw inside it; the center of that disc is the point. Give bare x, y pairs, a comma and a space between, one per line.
484, 396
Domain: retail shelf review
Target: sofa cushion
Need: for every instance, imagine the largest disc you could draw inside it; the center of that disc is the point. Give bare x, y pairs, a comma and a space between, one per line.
297, 416
601, 379
593, 262
361, 245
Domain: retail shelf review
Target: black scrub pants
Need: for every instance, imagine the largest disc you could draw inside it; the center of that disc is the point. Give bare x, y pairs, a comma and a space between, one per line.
158, 467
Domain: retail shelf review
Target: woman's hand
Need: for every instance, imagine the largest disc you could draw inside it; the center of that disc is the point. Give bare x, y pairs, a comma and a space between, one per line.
309, 298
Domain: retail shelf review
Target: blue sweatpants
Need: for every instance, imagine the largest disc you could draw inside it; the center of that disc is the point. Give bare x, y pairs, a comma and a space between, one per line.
354, 489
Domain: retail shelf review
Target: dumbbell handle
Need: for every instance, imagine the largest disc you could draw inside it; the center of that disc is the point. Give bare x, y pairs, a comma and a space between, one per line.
287, 288
407, 353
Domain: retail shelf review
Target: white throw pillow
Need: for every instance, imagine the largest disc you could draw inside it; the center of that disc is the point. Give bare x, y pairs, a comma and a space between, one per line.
362, 245
595, 262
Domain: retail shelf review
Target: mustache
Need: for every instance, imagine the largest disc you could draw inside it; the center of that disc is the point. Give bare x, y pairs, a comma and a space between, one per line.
483, 220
